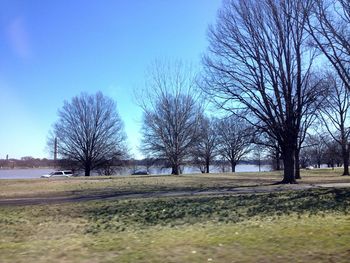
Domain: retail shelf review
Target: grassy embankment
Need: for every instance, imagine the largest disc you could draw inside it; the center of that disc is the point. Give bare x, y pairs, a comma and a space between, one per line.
310, 226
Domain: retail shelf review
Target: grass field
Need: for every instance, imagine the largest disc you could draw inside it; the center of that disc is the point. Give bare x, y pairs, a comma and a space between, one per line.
102, 184
303, 226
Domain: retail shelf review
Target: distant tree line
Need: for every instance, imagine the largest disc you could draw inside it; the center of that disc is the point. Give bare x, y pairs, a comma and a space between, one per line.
26, 162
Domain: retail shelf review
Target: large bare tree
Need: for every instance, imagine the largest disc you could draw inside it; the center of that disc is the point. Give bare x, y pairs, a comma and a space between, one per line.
172, 115
259, 60
235, 139
89, 131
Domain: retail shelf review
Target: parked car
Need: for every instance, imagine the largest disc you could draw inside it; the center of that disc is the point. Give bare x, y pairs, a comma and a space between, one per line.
58, 174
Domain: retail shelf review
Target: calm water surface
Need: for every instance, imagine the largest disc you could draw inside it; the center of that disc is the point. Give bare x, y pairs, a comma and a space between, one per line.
23, 173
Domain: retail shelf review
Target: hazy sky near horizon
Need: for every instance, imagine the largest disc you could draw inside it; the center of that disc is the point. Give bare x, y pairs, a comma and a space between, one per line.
54, 50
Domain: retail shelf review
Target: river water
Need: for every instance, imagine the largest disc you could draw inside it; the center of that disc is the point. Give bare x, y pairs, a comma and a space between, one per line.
23, 173
37, 172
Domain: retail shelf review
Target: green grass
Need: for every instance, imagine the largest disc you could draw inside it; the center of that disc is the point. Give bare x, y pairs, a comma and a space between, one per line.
173, 211
303, 226
288, 239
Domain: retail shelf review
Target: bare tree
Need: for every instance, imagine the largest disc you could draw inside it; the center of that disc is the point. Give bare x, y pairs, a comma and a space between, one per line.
259, 60
330, 29
234, 137
110, 167
333, 154
205, 150
305, 158
172, 115
315, 148
259, 152
274, 153
273, 150
89, 131
306, 122
148, 163
334, 116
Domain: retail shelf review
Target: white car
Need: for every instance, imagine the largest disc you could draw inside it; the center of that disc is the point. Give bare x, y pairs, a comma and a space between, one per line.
58, 174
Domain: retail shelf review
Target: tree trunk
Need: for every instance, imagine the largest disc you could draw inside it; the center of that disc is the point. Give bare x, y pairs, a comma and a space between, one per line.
87, 169
207, 168
345, 153
289, 165
233, 166
297, 164
175, 169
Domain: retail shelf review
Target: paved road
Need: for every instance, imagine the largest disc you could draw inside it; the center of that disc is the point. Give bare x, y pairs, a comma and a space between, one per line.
139, 195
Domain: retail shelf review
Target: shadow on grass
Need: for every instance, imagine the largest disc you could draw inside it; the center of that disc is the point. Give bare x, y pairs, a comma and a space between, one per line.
118, 215
153, 189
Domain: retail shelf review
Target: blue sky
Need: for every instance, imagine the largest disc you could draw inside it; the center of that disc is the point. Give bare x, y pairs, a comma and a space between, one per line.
53, 50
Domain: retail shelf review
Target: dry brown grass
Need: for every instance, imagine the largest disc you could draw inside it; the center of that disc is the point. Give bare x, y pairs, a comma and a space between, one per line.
126, 184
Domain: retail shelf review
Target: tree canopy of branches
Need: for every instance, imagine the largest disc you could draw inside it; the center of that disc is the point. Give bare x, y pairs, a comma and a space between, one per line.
234, 137
172, 115
330, 29
89, 131
259, 60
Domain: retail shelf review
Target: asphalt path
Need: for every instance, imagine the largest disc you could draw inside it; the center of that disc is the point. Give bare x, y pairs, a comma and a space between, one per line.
23, 201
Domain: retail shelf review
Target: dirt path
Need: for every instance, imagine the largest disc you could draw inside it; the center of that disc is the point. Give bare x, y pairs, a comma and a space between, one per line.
158, 194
